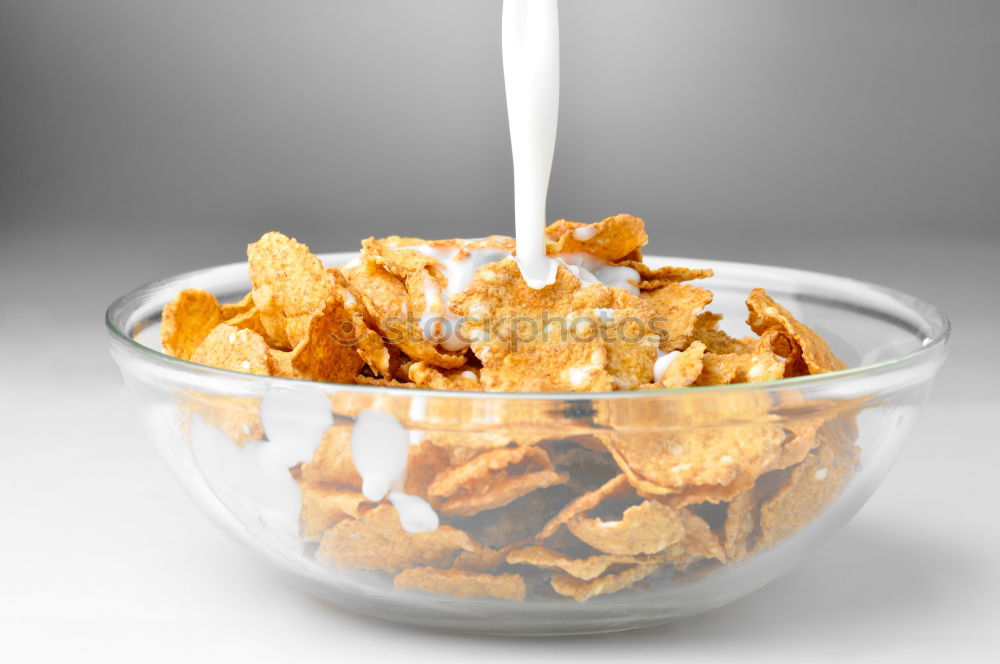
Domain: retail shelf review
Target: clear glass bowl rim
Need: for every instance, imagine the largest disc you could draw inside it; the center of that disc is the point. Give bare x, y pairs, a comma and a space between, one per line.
938, 324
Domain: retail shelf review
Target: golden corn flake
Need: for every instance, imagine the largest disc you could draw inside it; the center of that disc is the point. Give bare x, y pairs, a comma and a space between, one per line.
581, 568
676, 307
481, 465
706, 330
499, 492
424, 462
482, 559
712, 456
630, 346
611, 239
415, 263
463, 379
545, 367
649, 527
372, 349
741, 522
324, 505
380, 357
588, 501
724, 369
518, 354
776, 341
765, 313
233, 309
331, 463
803, 419
604, 585
800, 439
631, 364
237, 417
698, 544
699, 541
685, 368
187, 320
377, 541
652, 279
764, 366
228, 347
323, 354
462, 583
811, 486
755, 367
384, 299
709, 320
707, 493
398, 255
249, 320
382, 382
551, 338
290, 285
424, 296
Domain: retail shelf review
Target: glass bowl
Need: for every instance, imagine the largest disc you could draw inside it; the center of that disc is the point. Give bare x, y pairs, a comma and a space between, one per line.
268, 459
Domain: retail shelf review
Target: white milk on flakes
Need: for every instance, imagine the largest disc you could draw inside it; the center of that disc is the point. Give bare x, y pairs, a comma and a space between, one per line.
663, 362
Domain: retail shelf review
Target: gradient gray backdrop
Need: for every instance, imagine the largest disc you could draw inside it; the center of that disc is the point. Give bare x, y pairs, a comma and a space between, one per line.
141, 138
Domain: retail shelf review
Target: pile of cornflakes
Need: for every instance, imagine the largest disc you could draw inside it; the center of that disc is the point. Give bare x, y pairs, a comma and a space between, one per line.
535, 499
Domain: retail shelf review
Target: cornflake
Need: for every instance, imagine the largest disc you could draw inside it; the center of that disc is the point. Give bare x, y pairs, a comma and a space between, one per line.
187, 320
581, 591
377, 541
461, 583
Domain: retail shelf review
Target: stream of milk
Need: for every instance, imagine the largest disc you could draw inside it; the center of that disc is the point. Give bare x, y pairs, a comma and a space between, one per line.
531, 78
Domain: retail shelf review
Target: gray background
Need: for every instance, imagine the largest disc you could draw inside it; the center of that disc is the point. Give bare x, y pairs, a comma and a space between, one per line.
139, 139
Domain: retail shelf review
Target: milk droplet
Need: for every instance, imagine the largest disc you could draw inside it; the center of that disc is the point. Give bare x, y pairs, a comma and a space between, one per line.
379, 448
663, 362
415, 514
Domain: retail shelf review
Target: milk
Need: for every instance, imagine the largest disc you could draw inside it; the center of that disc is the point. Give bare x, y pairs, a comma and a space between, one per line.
380, 447
531, 78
